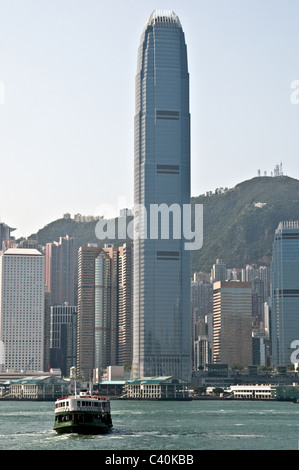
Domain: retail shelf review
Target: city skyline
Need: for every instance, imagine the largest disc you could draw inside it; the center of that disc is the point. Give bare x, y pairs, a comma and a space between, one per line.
162, 310
70, 101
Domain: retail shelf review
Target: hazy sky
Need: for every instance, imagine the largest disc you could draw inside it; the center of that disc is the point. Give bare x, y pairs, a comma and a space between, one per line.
67, 90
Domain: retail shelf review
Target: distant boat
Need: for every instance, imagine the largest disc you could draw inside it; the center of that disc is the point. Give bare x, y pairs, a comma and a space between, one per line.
82, 414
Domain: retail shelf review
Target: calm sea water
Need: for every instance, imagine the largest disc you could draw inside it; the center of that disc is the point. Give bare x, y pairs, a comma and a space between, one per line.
148, 425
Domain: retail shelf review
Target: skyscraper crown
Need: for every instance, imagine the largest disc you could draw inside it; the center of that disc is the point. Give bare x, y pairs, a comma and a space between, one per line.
166, 17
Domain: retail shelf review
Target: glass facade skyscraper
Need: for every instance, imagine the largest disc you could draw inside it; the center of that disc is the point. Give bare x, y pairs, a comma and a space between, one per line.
162, 312
285, 292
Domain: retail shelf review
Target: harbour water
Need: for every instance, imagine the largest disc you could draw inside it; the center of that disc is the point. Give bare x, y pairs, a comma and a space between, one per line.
149, 425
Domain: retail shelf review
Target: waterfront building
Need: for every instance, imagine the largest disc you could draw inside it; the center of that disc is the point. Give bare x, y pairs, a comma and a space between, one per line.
285, 292
159, 388
22, 304
38, 388
63, 337
60, 270
253, 392
232, 323
162, 310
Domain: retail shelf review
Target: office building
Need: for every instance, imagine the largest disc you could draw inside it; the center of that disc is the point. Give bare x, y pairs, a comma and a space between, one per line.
105, 298
201, 299
285, 292
63, 338
202, 308
60, 270
219, 271
202, 350
22, 285
232, 323
6, 240
125, 313
162, 311
86, 311
113, 306
47, 321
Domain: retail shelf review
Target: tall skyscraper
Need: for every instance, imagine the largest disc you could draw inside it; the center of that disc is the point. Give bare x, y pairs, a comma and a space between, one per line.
113, 306
104, 308
232, 323
63, 337
60, 270
125, 314
22, 285
219, 271
285, 292
86, 310
162, 312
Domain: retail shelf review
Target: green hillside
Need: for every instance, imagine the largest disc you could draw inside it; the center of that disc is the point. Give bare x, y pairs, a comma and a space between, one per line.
234, 228
82, 232
239, 232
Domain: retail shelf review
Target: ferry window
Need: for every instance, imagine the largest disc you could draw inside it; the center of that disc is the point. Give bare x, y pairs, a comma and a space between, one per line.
83, 403
67, 403
78, 403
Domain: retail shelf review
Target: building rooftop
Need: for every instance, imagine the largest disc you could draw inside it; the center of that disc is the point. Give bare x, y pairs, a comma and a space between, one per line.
163, 16
289, 224
22, 251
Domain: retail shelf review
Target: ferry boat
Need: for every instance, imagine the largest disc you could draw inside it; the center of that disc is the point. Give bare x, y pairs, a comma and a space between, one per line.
82, 414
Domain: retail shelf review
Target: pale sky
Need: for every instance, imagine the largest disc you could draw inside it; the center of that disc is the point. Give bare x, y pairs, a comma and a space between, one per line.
67, 91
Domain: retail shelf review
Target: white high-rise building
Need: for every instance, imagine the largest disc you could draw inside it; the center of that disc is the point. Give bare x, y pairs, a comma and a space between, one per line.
22, 286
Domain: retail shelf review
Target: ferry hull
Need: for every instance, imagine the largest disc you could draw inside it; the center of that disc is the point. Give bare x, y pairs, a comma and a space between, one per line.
81, 429
78, 424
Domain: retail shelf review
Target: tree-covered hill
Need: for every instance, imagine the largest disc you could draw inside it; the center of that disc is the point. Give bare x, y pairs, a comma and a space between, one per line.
240, 230
82, 232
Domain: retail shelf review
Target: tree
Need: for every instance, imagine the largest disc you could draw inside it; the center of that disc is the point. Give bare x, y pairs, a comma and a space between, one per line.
200, 389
